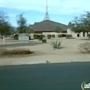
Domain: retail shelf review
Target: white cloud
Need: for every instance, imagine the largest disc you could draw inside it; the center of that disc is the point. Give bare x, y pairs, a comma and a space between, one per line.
55, 6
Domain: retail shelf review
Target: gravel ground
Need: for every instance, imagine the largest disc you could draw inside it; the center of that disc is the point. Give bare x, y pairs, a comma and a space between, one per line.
68, 52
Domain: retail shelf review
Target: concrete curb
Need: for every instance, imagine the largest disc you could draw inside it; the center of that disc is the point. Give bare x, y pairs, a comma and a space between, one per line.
29, 62
81, 60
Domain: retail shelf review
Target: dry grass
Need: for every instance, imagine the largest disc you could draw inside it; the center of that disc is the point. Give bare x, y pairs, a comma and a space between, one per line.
15, 51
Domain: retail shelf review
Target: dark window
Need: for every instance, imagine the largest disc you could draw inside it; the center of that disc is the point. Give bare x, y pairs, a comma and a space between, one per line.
78, 35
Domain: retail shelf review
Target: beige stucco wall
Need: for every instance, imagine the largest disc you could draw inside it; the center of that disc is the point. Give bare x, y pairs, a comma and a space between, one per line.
75, 34
69, 32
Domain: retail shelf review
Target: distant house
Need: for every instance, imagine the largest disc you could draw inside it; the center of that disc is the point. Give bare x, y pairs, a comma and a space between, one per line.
48, 26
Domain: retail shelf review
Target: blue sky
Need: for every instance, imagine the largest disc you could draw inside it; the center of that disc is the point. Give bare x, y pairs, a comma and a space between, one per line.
61, 11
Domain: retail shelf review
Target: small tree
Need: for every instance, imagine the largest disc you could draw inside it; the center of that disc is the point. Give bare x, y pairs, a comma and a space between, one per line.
58, 29
5, 26
30, 30
81, 24
22, 24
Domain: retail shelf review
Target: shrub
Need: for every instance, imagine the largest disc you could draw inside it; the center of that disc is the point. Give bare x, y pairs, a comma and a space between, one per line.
44, 40
19, 51
53, 36
49, 36
16, 51
41, 37
60, 35
36, 36
16, 37
63, 35
85, 47
2, 51
56, 44
69, 37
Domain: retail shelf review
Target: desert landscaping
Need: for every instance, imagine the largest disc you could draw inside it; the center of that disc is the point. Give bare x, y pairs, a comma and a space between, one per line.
43, 52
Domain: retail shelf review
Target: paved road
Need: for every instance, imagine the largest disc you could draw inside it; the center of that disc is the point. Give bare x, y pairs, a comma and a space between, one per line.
68, 76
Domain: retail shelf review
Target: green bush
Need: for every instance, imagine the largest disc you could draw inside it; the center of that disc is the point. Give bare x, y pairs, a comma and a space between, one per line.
53, 36
48, 36
41, 37
63, 35
69, 37
16, 37
56, 44
36, 36
60, 35
44, 40
85, 47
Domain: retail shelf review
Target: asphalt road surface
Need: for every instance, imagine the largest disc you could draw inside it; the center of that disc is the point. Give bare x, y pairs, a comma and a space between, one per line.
65, 76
